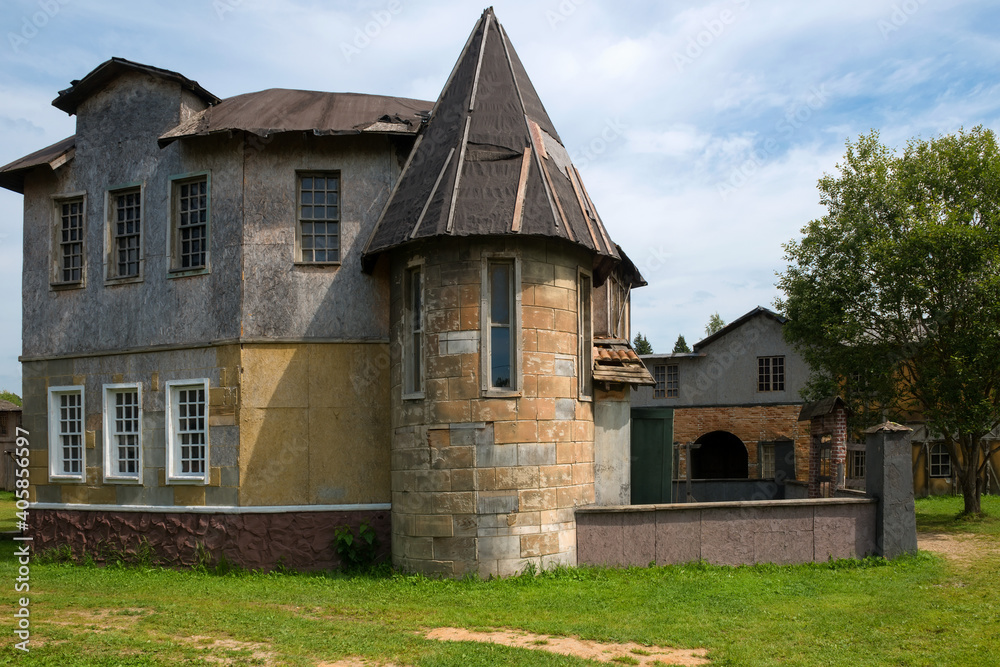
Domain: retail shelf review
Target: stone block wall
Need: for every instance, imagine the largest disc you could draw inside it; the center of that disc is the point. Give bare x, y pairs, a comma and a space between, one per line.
752, 425
480, 483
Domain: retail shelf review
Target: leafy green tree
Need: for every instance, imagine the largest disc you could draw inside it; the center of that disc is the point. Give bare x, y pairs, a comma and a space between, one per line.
10, 396
681, 345
715, 323
893, 296
641, 345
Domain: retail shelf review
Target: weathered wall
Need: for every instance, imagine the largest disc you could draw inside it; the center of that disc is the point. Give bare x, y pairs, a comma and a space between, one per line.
313, 424
488, 485
153, 369
833, 425
116, 145
297, 540
777, 531
285, 299
727, 373
752, 425
612, 447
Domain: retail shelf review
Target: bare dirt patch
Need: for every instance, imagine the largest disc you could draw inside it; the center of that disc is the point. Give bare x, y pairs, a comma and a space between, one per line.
963, 550
98, 620
633, 654
355, 662
217, 646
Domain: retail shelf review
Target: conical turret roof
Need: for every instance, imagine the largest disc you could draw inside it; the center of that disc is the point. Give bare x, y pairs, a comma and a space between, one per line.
489, 162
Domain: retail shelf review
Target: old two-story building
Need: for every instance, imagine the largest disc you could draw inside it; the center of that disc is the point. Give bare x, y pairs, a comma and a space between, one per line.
250, 320
734, 404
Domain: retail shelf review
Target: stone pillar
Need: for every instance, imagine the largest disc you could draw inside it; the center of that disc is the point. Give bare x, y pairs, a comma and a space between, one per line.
889, 478
612, 473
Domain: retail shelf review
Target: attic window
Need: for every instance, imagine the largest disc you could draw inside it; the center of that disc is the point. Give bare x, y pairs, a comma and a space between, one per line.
319, 218
770, 373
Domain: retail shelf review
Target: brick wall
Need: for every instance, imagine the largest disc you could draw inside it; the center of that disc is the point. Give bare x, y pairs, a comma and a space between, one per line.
834, 425
484, 484
752, 425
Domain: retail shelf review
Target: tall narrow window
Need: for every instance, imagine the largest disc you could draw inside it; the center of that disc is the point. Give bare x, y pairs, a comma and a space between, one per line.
586, 328
856, 464
672, 384
190, 224
122, 432
660, 376
69, 259
187, 430
501, 329
126, 233
770, 373
414, 332
66, 433
319, 217
767, 460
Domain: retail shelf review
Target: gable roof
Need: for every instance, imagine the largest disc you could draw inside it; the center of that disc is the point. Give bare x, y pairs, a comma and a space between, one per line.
278, 110
735, 324
54, 156
490, 163
71, 98
8, 406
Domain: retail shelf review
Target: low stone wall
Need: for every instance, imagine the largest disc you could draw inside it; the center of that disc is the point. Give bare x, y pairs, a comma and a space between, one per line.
299, 540
735, 533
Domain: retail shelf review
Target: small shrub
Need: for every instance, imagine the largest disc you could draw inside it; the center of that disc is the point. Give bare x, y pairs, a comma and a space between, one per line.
356, 551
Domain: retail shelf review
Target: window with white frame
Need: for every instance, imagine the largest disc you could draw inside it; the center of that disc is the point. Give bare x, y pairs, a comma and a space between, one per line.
767, 460
586, 329
940, 460
123, 432
125, 233
319, 217
187, 430
500, 325
68, 245
413, 334
190, 223
66, 433
771, 373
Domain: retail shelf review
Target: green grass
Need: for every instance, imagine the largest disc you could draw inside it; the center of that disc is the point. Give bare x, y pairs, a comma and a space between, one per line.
911, 611
7, 510
940, 514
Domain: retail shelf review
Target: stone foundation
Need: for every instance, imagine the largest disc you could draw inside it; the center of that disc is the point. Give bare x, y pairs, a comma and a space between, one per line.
297, 540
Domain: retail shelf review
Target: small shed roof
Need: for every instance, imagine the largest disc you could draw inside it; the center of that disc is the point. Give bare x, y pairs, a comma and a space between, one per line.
7, 406
822, 407
615, 361
54, 156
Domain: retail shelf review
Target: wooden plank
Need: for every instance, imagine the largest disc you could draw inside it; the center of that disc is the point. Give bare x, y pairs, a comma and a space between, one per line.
583, 209
522, 184
427, 203
479, 63
458, 174
555, 197
597, 216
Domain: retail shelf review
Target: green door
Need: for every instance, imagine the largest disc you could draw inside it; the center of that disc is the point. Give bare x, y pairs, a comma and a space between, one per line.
652, 455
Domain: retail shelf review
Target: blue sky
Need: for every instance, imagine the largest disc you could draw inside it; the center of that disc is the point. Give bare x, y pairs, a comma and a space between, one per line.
700, 128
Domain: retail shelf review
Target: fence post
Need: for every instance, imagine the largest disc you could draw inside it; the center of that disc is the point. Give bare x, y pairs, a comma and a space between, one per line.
889, 478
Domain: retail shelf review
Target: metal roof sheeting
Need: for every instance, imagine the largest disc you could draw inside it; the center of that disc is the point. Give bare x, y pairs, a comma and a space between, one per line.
278, 110
54, 156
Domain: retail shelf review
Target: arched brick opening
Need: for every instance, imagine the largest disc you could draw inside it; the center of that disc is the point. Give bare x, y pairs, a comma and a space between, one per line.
721, 456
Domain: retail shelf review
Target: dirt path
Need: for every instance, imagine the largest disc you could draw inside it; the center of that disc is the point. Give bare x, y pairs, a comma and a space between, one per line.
963, 550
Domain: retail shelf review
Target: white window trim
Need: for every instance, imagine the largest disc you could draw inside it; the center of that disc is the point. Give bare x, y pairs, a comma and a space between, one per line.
585, 334
111, 276
55, 446
175, 182
484, 329
173, 447
407, 346
55, 259
110, 461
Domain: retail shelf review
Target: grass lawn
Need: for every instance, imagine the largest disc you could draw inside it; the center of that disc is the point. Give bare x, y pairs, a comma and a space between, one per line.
7, 510
918, 610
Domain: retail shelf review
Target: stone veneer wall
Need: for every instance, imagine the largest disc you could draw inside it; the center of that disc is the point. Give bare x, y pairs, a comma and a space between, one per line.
752, 425
479, 484
297, 540
732, 533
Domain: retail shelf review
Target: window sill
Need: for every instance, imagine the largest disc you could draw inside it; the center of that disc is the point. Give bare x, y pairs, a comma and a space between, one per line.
317, 265
188, 481
63, 287
62, 479
418, 396
184, 273
122, 480
111, 282
501, 393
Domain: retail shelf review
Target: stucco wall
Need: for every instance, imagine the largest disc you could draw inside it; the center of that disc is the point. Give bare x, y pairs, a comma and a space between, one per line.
488, 485
777, 531
727, 374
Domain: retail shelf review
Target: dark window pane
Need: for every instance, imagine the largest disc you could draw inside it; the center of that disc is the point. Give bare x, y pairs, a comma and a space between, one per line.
500, 293
500, 357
